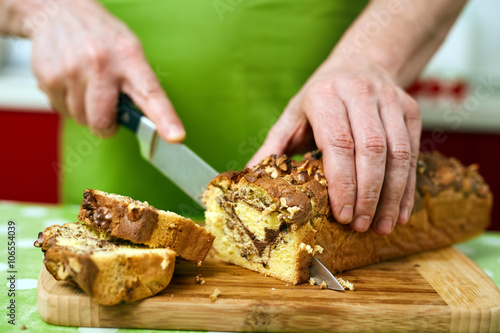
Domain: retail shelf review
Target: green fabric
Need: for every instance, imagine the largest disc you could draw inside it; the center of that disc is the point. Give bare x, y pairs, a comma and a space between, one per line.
30, 219
229, 68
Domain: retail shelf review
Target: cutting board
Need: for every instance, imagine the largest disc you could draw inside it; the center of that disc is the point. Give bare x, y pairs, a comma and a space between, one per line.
436, 291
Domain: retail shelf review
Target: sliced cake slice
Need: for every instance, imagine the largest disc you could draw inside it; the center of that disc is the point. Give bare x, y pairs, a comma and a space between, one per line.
108, 269
141, 223
273, 218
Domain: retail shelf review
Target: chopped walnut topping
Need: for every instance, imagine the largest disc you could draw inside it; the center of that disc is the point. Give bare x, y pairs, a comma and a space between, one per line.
281, 163
312, 282
267, 160
323, 285
198, 279
303, 166
215, 295
272, 171
283, 202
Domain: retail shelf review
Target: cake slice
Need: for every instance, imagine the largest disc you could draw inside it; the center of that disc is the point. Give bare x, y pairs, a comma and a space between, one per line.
108, 269
141, 223
273, 218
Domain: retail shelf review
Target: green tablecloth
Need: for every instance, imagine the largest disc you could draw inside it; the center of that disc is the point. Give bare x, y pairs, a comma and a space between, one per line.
30, 219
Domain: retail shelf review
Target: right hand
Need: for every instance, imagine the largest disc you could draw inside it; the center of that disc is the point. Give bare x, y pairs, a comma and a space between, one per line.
83, 57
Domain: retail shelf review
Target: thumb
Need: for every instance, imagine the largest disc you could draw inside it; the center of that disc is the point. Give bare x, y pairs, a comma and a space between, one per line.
279, 137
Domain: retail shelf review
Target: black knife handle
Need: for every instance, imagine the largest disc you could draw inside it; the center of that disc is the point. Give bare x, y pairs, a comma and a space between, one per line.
128, 115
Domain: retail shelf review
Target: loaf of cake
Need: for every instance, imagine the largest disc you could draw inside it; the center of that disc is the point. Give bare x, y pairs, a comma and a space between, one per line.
141, 223
274, 217
109, 269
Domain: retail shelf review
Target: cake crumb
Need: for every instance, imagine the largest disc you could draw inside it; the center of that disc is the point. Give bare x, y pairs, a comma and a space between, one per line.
318, 249
199, 263
312, 282
23, 327
346, 284
273, 288
198, 279
215, 295
323, 285
306, 247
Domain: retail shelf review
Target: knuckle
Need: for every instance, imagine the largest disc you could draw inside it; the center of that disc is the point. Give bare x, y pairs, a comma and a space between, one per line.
400, 152
390, 96
368, 199
375, 145
129, 47
322, 88
50, 81
412, 108
342, 141
362, 86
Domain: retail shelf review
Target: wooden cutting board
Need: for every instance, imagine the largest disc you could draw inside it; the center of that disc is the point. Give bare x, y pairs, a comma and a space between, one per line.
436, 291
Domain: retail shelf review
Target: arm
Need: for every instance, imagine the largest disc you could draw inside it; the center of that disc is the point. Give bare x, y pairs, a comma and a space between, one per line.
355, 110
83, 57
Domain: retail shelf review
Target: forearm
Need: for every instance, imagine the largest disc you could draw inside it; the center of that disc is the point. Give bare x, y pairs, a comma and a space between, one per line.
398, 35
14, 16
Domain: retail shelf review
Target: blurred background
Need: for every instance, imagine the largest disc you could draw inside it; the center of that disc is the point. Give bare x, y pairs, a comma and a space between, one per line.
458, 92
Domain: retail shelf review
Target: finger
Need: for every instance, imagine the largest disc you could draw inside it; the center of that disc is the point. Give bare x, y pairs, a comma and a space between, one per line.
75, 100
371, 149
143, 87
100, 105
397, 165
334, 139
58, 102
414, 128
280, 135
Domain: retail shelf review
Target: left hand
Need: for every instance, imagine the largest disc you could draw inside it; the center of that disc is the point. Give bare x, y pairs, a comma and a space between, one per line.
368, 129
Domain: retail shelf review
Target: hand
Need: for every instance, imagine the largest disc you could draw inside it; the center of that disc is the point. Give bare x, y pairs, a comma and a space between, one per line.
368, 130
83, 57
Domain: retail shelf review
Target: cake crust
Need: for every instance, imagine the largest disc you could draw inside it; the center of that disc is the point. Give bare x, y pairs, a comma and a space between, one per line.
141, 223
452, 203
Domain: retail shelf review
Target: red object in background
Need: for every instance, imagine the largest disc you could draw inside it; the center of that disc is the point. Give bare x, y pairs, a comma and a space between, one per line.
29, 143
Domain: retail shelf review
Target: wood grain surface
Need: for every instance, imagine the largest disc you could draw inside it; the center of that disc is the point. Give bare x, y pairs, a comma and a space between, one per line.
437, 291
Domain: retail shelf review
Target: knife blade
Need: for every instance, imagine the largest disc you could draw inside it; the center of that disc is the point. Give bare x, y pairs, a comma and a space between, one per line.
175, 160
320, 273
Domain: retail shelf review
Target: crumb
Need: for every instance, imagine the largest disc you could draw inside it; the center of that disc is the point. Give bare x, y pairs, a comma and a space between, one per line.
306, 247
273, 288
346, 284
172, 295
323, 285
199, 263
287, 285
23, 327
198, 279
215, 295
312, 282
318, 249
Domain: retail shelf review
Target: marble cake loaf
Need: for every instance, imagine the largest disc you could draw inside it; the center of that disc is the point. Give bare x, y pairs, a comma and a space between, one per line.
273, 218
141, 223
108, 269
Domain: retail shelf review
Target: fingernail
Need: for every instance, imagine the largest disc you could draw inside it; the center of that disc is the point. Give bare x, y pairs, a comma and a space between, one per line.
384, 226
346, 214
175, 132
362, 223
404, 215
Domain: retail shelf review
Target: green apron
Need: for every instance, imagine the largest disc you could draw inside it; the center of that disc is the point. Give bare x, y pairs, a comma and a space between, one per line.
229, 68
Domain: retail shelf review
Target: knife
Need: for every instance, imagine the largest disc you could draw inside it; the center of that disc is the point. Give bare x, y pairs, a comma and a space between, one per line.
176, 161
320, 273
186, 169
